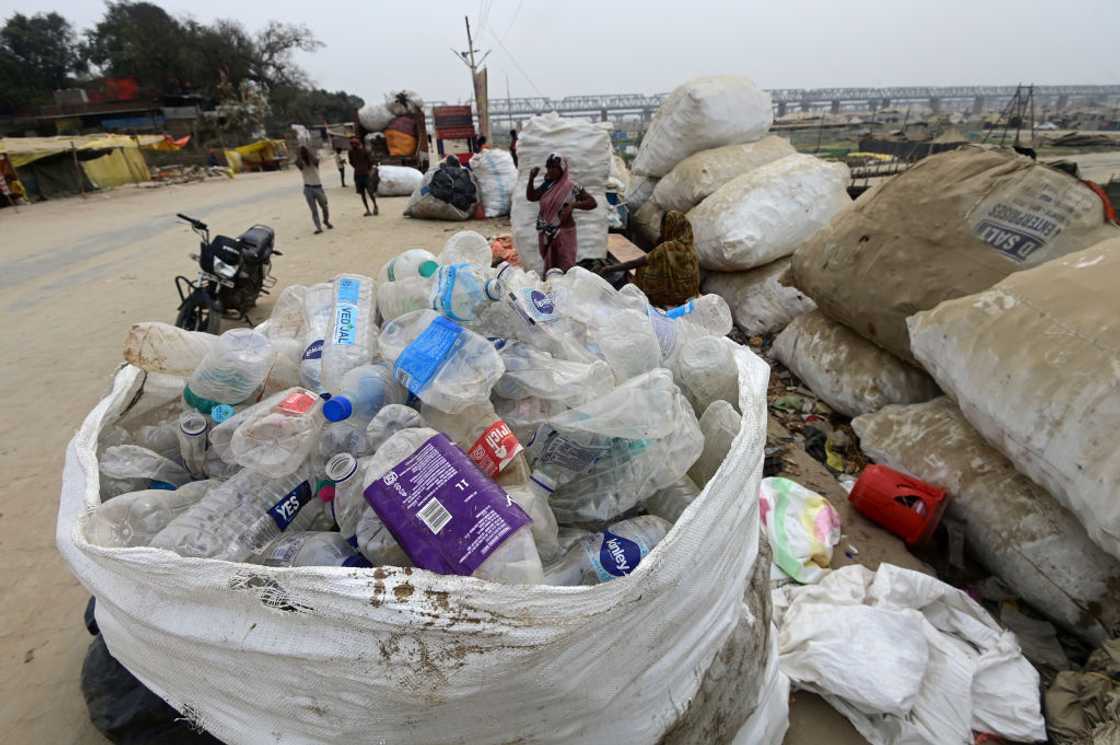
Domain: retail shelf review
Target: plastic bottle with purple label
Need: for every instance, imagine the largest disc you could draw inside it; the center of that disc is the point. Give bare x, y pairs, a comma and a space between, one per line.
456, 522
609, 554
238, 517
351, 338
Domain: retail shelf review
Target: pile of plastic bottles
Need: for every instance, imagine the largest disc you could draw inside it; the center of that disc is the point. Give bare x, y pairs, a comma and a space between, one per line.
446, 415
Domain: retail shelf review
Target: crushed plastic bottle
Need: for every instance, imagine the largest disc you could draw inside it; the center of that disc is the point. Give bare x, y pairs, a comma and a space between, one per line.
440, 362
394, 299
309, 549
163, 348
276, 439
134, 518
461, 292
531, 372
415, 262
720, 425
706, 372
361, 393
318, 302
467, 247
286, 320
141, 468
707, 315
351, 338
191, 436
239, 517
618, 326
347, 473
377, 544
528, 311
392, 418
612, 553
671, 502
446, 515
233, 370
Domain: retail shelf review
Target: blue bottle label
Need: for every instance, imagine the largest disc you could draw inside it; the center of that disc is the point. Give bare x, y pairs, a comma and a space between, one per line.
314, 350
284, 511
422, 360
617, 556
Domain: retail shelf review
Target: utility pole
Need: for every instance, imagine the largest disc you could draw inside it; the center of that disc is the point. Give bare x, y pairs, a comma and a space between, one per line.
509, 104
478, 80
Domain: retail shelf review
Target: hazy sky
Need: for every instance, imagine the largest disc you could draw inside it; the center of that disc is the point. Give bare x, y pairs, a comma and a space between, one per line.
628, 46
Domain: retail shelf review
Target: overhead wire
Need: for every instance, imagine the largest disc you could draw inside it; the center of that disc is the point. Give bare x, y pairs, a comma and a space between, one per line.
517, 64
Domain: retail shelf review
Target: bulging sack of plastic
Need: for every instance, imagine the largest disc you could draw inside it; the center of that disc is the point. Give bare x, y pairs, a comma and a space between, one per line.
170, 619
426, 203
276, 439
719, 425
670, 502
702, 114
638, 192
351, 338
1032, 364
698, 176
415, 262
440, 362
607, 455
137, 467
134, 518
238, 517
497, 178
802, 527
706, 372
1016, 529
467, 247
446, 515
375, 116
163, 348
849, 373
530, 372
398, 181
309, 549
233, 370
614, 552
766, 214
588, 150
394, 299
760, 303
392, 418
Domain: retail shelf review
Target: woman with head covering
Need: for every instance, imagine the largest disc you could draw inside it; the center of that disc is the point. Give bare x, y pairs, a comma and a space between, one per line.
558, 195
672, 274
308, 166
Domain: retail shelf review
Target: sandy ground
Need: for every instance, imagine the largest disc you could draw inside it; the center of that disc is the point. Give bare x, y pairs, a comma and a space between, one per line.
73, 275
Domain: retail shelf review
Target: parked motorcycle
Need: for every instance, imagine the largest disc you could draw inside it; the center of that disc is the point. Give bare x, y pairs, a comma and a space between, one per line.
233, 273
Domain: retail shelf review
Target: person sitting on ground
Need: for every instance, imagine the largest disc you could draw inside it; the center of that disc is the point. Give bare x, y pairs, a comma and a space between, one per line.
366, 176
308, 166
340, 164
513, 145
671, 276
558, 195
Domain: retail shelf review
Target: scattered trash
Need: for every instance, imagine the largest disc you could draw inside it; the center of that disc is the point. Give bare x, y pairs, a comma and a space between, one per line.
802, 527
907, 507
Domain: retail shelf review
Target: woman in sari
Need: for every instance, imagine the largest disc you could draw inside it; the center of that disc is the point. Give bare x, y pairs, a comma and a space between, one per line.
672, 274
558, 196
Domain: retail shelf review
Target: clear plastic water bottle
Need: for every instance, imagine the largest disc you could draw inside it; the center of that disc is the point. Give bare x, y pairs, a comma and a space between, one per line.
706, 372
192, 442
347, 436
286, 320
141, 468
707, 315
437, 520
277, 439
531, 372
361, 394
391, 419
351, 338
377, 544
163, 348
309, 549
671, 502
618, 326
467, 247
232, 371
318, 302
394, 299
440, 362
134, 519
720, 425
237, 518
347, 473
612, 553
461, 292
415, 262
531, 314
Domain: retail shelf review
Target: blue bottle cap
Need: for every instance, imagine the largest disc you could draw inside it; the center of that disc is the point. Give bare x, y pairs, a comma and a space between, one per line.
337, 408
221, 412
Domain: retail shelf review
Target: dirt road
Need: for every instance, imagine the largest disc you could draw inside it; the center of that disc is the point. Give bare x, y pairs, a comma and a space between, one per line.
74, 274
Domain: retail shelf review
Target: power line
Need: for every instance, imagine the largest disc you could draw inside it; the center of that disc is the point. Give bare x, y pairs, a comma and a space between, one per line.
516, 64
513, 20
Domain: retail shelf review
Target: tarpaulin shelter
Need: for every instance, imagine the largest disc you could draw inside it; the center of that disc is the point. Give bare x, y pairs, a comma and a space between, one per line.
262, 155
52, 167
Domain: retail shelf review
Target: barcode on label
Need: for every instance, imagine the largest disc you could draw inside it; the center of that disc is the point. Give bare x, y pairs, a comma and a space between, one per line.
434, 515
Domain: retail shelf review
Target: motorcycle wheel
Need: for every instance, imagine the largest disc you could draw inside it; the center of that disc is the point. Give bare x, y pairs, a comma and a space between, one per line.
199, 313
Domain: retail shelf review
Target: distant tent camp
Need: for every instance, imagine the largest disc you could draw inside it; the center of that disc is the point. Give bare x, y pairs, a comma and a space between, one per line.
46, 165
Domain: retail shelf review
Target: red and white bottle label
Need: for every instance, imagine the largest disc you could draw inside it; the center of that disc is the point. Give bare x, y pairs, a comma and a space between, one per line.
495, 449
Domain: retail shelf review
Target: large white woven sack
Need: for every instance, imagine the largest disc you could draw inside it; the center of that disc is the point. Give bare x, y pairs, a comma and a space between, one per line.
398, 181
1033, 363
588, 150
699, 115
759, 302
767, 213
696, 177
497, 176
670, 654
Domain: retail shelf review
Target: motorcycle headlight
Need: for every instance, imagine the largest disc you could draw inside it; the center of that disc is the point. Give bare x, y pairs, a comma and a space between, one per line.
224, 270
